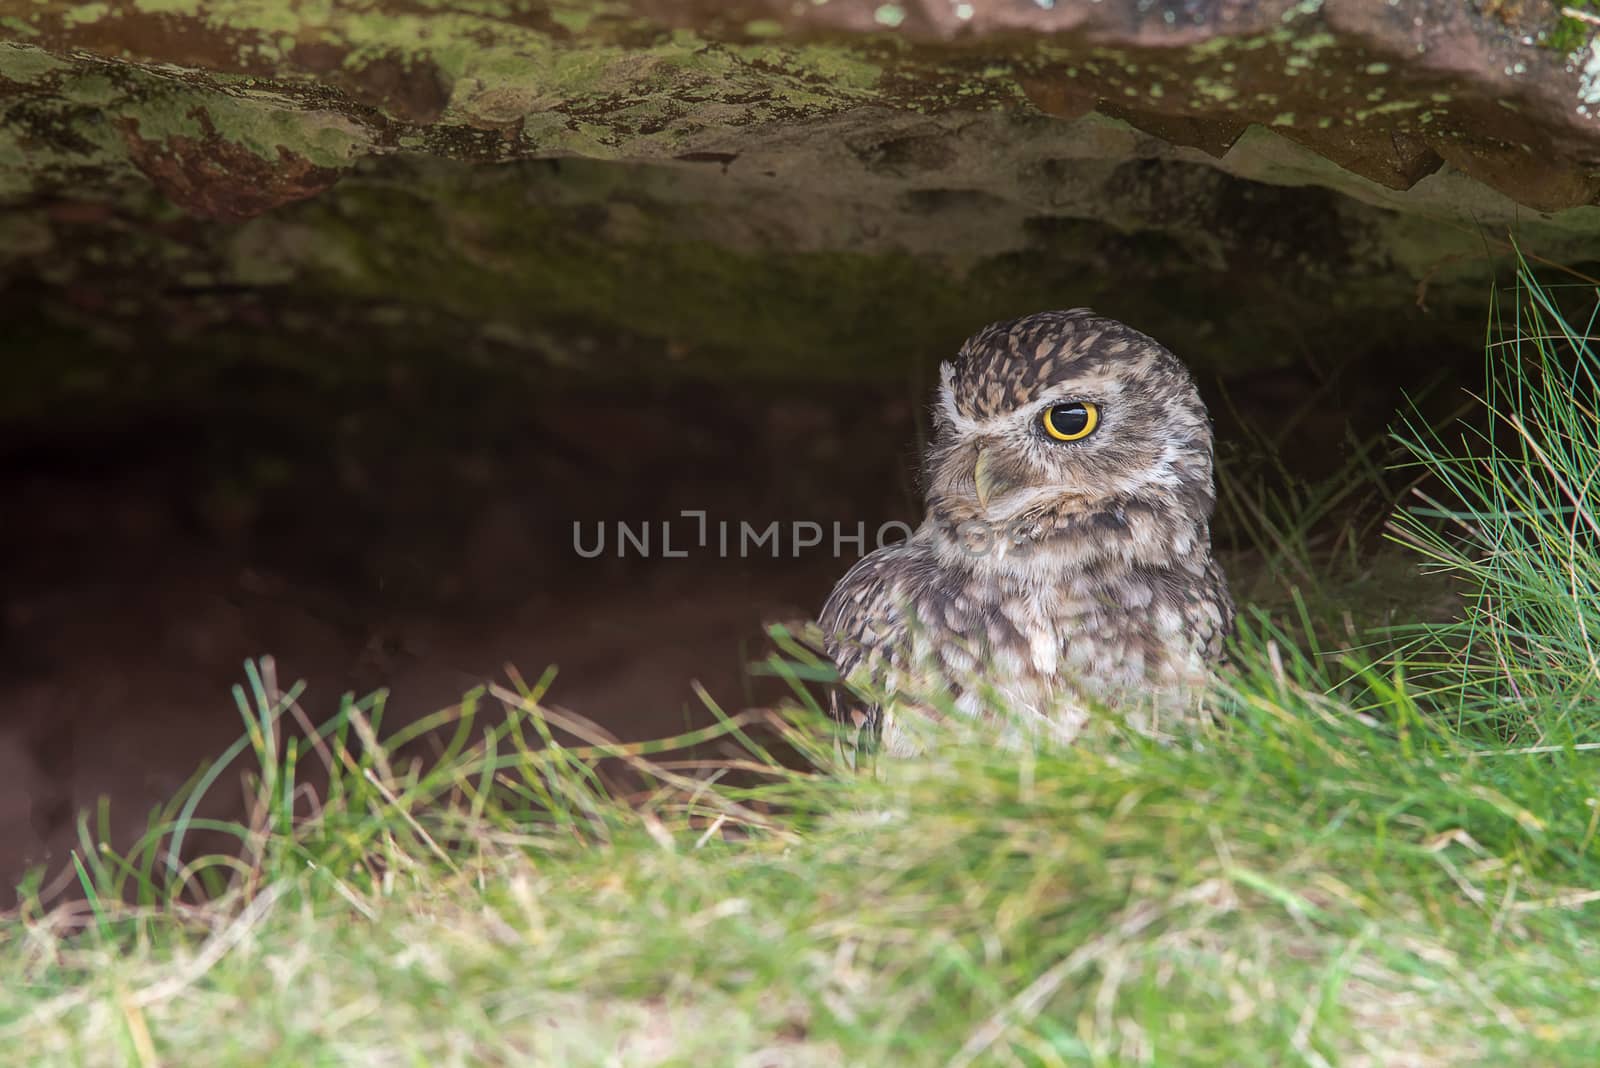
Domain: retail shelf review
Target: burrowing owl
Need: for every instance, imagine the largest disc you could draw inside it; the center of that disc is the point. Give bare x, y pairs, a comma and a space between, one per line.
1064, 562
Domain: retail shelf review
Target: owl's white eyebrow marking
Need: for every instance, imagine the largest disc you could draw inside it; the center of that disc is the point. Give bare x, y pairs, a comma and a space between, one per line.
961, 424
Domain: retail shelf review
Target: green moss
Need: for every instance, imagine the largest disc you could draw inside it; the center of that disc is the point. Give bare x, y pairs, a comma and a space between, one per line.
326, 141
15, 180
26, 64
88, 12
890, 15
1313, 42
523, 251
69, 131
1221, 92
20, 27
574, 20
477, 41
499, 259
1569, 34
93, 88
1208, 49
164, 116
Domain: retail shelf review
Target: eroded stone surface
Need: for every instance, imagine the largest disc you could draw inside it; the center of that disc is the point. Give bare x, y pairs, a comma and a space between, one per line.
1386, 89
766, 187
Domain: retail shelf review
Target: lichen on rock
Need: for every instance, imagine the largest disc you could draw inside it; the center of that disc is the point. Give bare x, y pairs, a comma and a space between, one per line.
777, 189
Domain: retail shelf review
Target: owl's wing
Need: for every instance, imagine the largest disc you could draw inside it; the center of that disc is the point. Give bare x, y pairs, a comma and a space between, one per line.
1216, 641
861, 626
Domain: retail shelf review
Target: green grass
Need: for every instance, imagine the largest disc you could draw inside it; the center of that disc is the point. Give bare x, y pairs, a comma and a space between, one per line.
1568, 34
1377, 858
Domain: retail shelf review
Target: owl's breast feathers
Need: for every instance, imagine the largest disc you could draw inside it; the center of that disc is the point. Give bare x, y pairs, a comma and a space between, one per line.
901, 627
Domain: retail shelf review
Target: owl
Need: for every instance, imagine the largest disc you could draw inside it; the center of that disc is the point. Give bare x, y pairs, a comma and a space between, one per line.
1064, 560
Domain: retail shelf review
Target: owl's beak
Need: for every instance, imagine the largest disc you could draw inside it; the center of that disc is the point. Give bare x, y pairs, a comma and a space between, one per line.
990, 480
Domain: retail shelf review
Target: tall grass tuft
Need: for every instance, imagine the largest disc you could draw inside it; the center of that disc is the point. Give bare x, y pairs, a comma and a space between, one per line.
1510, 513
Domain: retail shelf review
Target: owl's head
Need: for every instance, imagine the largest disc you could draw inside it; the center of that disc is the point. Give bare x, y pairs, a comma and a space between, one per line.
1066, 419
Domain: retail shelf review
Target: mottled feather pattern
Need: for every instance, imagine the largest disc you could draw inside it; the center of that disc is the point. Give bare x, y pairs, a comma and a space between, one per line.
1088, 581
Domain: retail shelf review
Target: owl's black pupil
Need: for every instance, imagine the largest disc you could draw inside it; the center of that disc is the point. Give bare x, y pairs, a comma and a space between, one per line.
1069, 418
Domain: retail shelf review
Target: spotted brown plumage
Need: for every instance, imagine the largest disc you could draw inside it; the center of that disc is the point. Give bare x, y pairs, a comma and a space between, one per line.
1050, 575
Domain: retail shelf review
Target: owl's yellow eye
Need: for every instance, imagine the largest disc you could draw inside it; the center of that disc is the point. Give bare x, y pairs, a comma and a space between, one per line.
1072, 421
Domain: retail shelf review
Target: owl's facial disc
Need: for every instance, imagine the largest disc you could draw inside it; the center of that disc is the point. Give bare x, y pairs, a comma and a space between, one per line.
1060, 422
1045, 423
